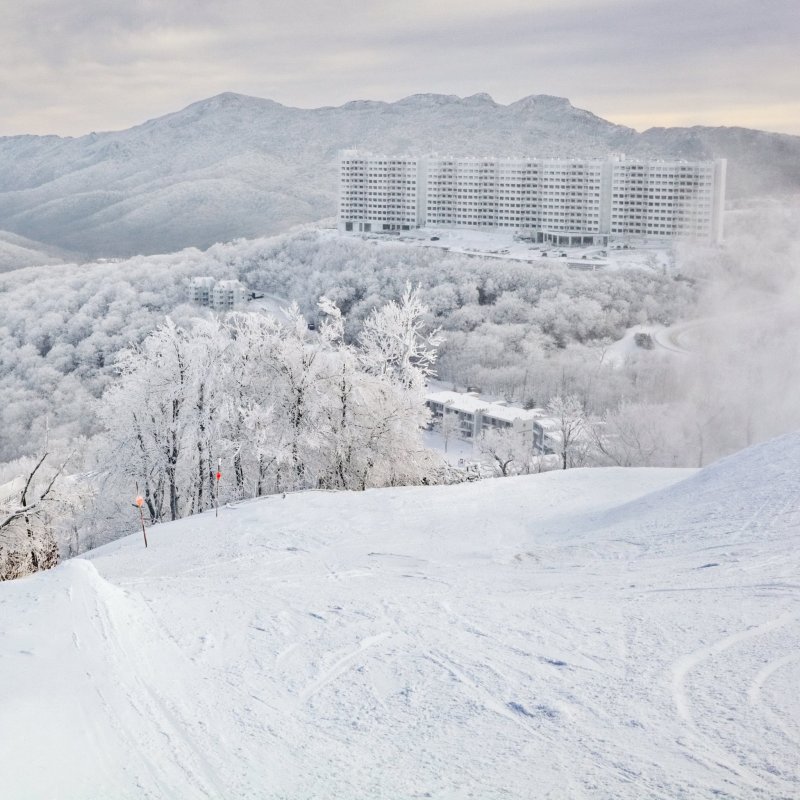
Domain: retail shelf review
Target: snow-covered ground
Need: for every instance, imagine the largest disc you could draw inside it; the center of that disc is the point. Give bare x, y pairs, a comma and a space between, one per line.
507, 246
272, 304
455, 450
618, 353
585, 634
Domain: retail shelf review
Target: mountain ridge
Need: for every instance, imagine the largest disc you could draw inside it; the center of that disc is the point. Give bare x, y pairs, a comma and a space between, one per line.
229, 98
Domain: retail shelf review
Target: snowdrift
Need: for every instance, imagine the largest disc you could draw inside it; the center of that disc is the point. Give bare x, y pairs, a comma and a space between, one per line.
594, 633
749, 495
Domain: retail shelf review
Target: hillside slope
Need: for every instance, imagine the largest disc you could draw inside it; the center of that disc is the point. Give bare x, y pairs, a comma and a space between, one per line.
237, 166
17, 252
594, 633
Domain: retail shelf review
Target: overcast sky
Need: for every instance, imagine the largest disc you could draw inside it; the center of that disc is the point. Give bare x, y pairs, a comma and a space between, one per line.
74, 66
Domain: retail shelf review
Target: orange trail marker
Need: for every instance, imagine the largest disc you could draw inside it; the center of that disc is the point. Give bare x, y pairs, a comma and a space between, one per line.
139, 502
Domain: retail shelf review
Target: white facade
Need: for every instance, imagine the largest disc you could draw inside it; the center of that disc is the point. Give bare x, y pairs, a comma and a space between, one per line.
200, 290
219, 295
563, 201
378, 193
227, 295
668, 198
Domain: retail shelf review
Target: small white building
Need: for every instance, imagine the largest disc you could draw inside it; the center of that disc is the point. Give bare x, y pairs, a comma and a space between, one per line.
227, 295
546, 436
471, 416
219, 295
200, 290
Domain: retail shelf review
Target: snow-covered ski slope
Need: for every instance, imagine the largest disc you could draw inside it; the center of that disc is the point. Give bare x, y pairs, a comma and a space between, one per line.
590, 634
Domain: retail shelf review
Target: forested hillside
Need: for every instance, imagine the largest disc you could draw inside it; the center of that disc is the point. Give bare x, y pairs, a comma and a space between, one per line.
63, 327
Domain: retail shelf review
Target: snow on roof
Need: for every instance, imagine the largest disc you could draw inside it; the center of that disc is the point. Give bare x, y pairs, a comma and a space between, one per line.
548, 423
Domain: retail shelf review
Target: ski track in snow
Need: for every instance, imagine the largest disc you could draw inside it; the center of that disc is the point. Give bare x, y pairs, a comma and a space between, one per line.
339, 667
158, 725
683, 702
792, 733
452, 642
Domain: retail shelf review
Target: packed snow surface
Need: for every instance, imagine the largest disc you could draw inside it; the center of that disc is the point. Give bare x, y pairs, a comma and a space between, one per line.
588, 634
507, 245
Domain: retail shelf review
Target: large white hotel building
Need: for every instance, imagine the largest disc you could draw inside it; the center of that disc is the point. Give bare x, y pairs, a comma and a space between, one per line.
563, 201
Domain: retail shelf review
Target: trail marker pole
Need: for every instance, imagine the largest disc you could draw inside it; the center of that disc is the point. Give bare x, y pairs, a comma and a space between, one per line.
139, 503
216, 494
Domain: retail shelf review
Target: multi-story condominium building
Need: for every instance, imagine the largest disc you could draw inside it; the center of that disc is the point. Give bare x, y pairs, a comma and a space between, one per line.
378, 193
467, 417
219, 295
667, 198
470, 416
227, 295
200, 290
563, 201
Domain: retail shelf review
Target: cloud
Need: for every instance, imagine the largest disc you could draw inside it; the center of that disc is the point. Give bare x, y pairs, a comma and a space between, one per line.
71, 67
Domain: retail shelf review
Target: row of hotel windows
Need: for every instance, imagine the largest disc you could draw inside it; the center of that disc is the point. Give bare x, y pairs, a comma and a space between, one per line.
560, 167
681, 187
545, 210
647, 226
490, 202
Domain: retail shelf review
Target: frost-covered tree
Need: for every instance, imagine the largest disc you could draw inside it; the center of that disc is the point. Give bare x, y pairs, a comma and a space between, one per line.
280, 407
31, 503
447, 427
571, 432
396, 343
502, 450
253, 440
209, 350
636, 434
147, 414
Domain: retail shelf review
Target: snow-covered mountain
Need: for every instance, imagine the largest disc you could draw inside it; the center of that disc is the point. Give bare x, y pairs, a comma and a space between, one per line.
17, 252
237, 166
624, 633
